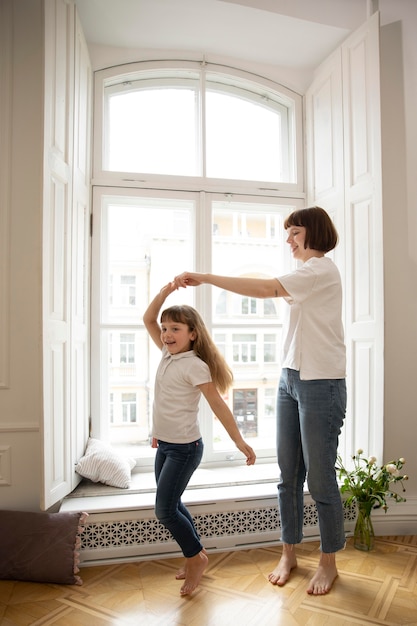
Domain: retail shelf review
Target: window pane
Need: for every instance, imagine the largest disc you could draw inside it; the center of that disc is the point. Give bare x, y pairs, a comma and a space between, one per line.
249, 240
145, 241
243, 138
153, 130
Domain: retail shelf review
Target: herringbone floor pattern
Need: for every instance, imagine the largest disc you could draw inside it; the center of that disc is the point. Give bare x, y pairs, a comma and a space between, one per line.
379, 587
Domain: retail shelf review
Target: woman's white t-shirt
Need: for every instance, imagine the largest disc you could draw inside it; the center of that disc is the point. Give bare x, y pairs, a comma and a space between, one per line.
313, 336
177, 396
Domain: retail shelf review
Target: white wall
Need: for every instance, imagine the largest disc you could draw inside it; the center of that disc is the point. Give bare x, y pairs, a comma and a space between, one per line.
21, 403
399, 176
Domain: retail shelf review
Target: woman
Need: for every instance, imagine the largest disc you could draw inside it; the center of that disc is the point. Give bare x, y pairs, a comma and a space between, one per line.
311, 401
191, 365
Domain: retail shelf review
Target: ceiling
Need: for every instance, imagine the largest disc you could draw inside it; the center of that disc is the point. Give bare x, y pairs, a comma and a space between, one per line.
287, 33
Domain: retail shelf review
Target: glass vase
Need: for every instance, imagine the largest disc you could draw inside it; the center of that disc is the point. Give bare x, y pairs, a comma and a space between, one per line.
364, 536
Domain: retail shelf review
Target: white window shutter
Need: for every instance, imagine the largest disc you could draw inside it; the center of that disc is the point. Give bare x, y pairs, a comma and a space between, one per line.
344, 177
65, 248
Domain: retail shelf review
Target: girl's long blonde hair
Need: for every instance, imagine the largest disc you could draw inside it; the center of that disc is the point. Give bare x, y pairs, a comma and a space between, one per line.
203, 345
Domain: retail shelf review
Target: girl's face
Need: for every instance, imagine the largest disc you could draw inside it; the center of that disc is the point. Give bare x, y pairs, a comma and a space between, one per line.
177, 336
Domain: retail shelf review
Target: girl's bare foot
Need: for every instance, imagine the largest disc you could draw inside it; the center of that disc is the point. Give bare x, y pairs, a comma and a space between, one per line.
323, 579
180, 575
288, 562
194, 569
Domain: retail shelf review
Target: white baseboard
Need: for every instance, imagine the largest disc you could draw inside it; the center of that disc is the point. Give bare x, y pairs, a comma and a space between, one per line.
400, 519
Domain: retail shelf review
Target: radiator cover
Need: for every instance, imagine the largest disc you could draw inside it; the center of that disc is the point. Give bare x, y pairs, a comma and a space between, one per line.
225, 525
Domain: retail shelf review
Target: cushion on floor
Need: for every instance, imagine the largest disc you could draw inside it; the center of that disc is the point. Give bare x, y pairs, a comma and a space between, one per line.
40, 547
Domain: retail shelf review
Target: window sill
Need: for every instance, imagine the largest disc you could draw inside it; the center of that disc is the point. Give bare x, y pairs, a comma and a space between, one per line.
206, 486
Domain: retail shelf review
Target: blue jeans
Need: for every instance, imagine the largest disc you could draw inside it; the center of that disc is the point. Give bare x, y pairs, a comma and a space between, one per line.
310, 415
175, 463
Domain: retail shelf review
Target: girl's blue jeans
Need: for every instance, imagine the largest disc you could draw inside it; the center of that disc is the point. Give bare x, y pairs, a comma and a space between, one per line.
175, 463
310, 415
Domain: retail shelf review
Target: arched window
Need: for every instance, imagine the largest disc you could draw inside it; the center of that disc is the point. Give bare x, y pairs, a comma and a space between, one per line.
199, 122
195, 167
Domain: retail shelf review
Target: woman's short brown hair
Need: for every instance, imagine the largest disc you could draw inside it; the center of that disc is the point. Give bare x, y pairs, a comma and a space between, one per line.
321, 233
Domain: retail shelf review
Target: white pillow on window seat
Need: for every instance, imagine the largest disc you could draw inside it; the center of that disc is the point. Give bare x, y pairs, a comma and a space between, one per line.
102, 464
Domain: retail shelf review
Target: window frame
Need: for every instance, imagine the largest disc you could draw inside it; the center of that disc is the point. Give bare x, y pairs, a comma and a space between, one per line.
266, 87
206, 208
104, 182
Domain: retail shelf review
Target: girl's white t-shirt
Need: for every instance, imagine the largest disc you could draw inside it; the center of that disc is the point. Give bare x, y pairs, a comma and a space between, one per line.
177, 397
313, 336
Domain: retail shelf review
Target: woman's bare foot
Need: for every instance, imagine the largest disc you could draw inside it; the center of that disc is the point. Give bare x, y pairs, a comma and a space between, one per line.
194, 569
288, 562
180, 575
323, 579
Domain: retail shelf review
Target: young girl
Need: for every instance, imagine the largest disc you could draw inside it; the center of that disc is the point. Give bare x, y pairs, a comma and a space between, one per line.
311, 400
191, 365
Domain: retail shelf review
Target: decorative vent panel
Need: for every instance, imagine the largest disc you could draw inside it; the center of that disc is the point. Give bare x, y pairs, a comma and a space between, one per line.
233, 528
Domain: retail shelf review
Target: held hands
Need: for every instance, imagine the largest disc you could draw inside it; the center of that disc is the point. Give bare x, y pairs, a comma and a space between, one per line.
188, 279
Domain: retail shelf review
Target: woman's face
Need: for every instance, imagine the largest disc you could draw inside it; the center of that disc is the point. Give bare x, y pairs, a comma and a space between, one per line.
295, 238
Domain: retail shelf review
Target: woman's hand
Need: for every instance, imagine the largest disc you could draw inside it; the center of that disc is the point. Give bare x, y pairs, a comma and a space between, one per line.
188, 279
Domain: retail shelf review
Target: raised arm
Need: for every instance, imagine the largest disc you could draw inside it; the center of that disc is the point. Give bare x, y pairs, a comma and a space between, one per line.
150, 317
254, 287
224, 414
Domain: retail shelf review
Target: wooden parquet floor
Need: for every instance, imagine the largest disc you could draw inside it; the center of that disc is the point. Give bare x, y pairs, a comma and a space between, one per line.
379, 587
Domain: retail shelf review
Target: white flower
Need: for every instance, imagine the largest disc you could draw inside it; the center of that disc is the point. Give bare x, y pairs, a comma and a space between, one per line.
402, 460
360, 451
368, 482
